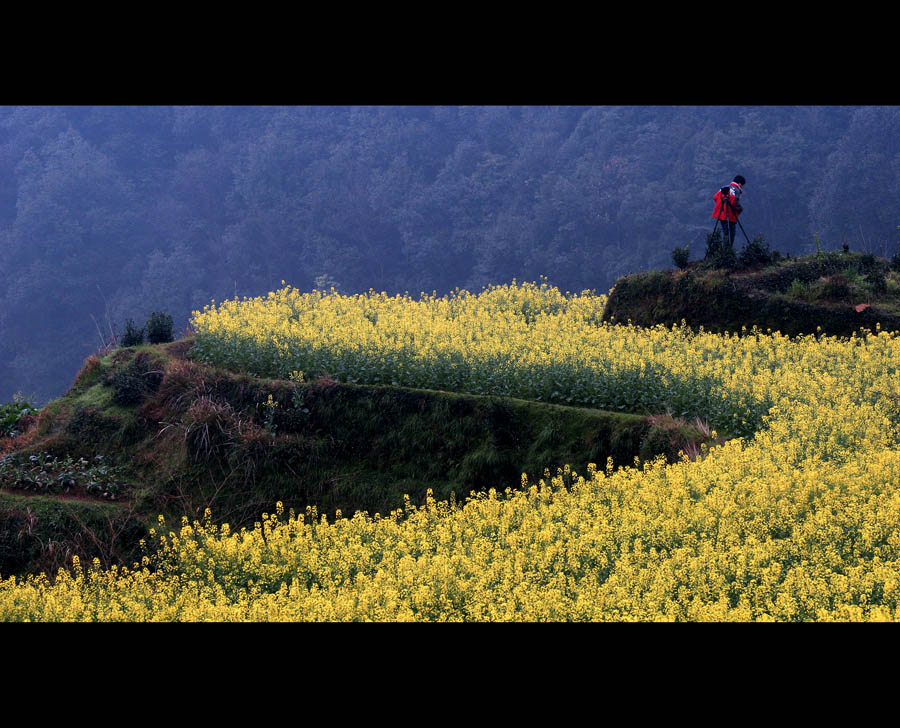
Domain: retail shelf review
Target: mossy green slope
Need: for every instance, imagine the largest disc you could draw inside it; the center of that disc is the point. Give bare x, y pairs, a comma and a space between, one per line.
190, 437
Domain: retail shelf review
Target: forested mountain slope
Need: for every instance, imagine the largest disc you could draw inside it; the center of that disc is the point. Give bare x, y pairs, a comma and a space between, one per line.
115, 212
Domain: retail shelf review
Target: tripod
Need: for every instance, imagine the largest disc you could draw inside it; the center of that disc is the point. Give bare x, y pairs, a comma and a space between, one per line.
725, 192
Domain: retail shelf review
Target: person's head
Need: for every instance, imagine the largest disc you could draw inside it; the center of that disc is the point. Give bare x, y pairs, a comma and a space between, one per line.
740, 180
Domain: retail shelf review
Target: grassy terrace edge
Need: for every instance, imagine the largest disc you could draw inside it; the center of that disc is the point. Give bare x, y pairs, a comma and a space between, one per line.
188, 437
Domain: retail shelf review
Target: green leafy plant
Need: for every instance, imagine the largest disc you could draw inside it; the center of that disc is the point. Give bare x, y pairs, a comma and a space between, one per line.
757, 252
11, 414
45, 473
853, 276
877, 283
297, 397
133, 336
681, 256
799, 290
892, 285
834, 287
719, 253
269, 416
159, 328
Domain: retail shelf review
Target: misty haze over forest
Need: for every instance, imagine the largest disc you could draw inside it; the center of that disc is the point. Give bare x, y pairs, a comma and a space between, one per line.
121, 211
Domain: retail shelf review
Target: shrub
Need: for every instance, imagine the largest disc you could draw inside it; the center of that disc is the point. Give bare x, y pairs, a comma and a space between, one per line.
681, 256
895, 261
756, 252
159, 328
892, 285
133, 336
834, 287
719, 254
877, 283
798, 289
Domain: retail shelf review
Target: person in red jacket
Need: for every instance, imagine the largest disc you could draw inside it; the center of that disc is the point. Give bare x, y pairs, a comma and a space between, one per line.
728, 206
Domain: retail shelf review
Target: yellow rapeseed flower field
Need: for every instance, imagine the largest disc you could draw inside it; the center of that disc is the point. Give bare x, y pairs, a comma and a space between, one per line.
796, 518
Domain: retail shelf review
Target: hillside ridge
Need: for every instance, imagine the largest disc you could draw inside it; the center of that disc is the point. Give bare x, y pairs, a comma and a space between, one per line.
837, 293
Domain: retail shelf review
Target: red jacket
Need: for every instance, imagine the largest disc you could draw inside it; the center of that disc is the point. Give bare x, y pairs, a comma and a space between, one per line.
726, 212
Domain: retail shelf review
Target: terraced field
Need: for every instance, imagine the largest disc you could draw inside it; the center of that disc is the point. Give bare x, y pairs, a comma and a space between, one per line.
794, 516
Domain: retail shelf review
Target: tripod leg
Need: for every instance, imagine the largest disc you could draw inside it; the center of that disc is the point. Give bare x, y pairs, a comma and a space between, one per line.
743, 231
